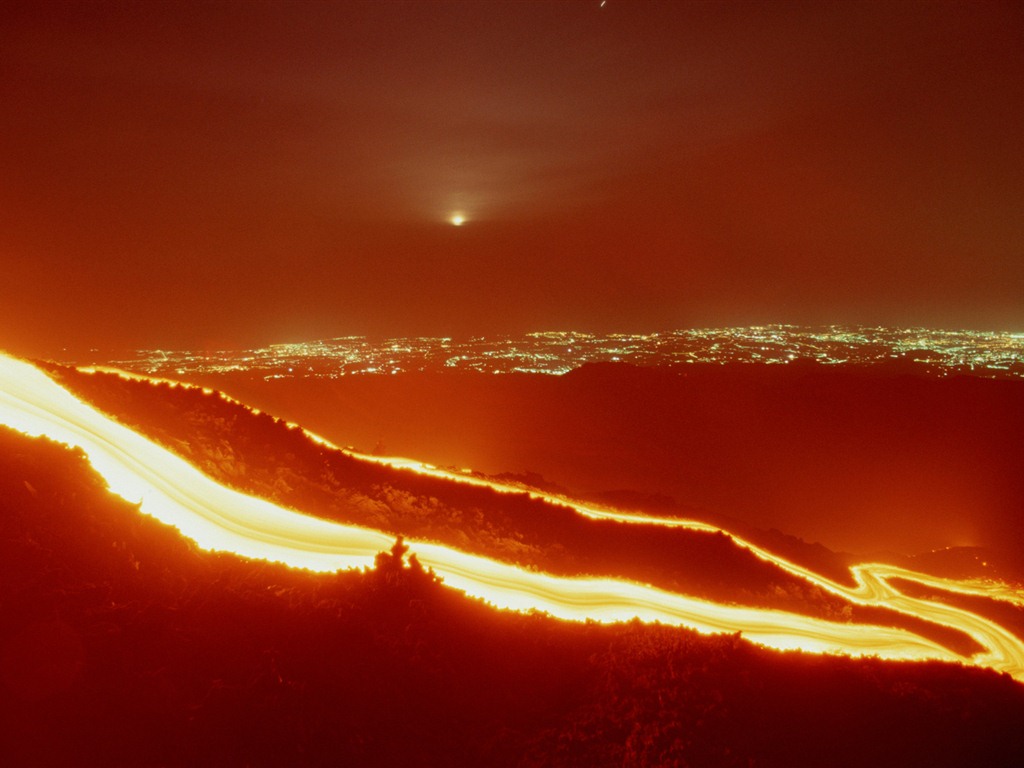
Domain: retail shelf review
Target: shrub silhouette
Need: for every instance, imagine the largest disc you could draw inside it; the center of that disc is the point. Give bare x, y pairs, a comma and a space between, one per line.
190, 657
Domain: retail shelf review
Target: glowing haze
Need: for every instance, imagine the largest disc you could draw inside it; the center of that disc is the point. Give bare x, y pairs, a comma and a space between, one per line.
229, 174
218, 518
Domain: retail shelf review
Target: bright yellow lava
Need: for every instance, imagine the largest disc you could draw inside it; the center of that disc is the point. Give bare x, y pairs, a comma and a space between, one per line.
218, 518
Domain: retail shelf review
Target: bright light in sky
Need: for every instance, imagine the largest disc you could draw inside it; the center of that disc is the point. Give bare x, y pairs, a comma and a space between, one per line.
586, 124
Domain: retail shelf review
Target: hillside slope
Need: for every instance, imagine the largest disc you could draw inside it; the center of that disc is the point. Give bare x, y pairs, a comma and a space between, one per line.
862, 460
122, 644
261, 455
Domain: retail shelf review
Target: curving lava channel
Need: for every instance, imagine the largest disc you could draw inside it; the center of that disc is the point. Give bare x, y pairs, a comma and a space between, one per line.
218, 518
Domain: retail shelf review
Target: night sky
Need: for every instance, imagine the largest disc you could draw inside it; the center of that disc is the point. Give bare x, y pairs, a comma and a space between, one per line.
226, 174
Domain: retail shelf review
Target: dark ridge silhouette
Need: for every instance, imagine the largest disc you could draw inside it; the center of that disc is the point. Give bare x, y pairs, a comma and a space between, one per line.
121, 644
262, 455
864, 460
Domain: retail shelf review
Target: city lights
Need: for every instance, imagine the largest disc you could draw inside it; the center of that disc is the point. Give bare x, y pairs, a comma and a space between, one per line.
937, 352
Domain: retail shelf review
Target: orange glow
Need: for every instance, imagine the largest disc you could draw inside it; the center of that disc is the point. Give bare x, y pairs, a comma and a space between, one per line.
218, 518
873, 588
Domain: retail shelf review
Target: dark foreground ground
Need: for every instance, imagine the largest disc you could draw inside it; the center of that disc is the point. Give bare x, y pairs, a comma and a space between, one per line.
120, 644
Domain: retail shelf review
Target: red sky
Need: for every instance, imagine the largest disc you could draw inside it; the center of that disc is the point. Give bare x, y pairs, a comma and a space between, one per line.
233, 173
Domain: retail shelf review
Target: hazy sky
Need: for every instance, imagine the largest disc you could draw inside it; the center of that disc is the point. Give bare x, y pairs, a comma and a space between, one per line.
232, 173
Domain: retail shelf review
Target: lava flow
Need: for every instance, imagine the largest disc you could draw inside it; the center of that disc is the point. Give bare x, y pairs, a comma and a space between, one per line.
217, 518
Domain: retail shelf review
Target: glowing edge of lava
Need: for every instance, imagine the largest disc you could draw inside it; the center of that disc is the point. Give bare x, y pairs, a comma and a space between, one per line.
218, 518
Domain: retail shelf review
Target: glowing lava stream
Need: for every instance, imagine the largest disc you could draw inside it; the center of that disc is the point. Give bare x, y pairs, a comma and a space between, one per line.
217, 518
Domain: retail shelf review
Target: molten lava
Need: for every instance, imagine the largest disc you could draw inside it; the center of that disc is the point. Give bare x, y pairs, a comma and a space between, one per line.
218, 518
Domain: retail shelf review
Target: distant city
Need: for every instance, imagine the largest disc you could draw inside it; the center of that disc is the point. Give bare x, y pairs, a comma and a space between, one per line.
941, 353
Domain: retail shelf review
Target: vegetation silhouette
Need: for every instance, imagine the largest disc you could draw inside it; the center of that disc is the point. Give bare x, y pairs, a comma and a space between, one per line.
260, 454
122, 644
871, 459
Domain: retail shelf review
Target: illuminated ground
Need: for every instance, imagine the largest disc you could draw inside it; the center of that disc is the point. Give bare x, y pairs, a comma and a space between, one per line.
218, 518
939, 352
